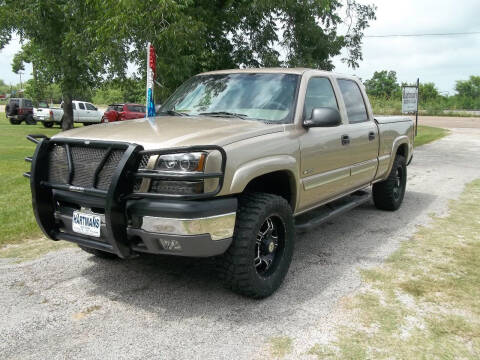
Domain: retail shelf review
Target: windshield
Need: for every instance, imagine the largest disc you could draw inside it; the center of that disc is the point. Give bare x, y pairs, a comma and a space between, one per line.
267, 97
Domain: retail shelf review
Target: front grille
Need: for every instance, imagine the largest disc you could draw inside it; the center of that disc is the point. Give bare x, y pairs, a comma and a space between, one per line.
85, 161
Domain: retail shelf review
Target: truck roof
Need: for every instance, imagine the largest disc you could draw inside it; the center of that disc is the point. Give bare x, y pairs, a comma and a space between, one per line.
278, 70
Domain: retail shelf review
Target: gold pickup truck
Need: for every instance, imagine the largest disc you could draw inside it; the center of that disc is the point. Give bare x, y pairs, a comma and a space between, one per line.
235, 163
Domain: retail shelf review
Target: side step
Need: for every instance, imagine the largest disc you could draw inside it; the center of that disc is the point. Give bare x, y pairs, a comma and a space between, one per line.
327, 212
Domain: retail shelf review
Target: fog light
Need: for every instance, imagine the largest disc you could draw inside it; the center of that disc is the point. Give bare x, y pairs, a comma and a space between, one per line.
170, 244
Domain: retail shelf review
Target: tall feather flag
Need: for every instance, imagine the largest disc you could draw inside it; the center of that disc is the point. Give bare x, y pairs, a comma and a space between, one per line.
151, 66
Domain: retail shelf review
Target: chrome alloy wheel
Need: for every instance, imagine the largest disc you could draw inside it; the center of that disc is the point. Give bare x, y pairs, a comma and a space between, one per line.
269, 246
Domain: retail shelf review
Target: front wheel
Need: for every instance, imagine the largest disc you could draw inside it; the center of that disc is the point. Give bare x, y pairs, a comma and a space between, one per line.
388, 194
259, 258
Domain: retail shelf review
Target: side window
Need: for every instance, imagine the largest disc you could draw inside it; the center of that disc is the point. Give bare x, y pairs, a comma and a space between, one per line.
90, 106
81, 106
319, 94
354, 103
73, 106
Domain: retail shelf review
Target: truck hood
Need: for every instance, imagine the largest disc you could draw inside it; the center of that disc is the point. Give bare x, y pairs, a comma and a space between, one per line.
174, 131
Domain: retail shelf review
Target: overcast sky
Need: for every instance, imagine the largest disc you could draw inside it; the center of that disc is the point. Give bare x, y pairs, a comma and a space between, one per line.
440, 59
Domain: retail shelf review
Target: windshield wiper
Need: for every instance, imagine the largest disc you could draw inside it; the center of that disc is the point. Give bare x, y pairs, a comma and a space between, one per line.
224, 114
175, 113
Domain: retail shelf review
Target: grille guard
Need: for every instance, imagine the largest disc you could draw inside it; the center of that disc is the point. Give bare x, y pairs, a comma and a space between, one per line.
119, 191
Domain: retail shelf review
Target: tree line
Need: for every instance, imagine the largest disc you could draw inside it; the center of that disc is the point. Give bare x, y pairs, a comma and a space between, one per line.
384, 86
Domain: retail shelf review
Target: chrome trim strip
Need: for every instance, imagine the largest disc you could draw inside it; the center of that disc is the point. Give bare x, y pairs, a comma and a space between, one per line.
325, 178
219, 227
363, 167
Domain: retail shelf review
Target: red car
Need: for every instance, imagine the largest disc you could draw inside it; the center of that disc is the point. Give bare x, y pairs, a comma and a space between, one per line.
119, 112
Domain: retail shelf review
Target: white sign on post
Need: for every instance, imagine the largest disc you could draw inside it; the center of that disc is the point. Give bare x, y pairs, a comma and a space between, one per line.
409, 99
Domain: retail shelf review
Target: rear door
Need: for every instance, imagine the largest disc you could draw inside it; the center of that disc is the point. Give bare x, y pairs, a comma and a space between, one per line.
362, 132
325, 163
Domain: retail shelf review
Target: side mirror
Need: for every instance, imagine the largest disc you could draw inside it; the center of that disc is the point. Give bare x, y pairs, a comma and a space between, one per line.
323, 117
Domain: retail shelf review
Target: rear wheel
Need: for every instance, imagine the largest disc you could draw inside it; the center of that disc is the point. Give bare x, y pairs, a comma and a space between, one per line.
99, 253
30, 120
48, 124
259, 258
388, 194
14, 121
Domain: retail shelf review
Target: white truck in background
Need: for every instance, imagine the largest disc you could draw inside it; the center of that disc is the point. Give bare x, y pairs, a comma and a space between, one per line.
83, 112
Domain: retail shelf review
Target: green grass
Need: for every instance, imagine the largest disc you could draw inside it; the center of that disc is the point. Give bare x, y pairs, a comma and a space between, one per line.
280, 346
16, 217
423, 303
427, 134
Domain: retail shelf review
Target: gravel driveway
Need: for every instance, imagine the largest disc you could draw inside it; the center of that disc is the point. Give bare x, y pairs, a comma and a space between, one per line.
68, 304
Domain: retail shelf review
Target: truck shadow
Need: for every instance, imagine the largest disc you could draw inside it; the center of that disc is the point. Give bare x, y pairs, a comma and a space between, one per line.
324, 268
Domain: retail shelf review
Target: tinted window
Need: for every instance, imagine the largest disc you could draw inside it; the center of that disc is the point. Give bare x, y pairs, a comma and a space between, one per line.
352, 96
136, 108
319, 94
81, 107
73, 106
27, 103
42, 105
90, 106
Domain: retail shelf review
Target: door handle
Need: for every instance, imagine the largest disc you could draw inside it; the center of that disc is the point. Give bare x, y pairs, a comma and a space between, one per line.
371, 136
345, 139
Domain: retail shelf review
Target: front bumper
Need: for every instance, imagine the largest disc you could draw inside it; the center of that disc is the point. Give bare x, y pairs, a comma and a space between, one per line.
129, 224
184, 228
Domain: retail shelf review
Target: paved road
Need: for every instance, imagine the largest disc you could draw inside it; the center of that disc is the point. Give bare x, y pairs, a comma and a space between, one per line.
68, 304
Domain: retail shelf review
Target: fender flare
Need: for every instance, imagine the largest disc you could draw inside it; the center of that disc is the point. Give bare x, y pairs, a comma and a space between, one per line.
401, 140
244, 174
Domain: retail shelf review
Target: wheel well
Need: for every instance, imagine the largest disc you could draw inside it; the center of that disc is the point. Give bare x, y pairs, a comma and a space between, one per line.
403, 150
281, 183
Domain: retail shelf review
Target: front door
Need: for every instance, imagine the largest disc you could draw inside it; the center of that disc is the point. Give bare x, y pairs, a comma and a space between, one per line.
325, 163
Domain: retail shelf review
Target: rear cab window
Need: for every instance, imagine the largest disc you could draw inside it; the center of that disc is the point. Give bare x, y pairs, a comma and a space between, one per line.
354, 102
81, 106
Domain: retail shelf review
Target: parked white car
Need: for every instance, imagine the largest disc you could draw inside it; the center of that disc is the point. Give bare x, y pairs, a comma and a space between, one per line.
83, 112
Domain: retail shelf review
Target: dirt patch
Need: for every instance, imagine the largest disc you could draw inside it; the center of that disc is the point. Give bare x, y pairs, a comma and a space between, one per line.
450, 122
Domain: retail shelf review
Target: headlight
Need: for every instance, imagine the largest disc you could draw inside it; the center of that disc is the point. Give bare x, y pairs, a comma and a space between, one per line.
186, 162
180, 174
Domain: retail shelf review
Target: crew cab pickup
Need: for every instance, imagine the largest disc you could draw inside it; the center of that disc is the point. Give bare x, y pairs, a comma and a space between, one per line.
236, 163
83, 112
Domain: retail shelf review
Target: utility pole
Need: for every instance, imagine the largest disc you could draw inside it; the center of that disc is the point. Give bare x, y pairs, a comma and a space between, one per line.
416, 112
21, 86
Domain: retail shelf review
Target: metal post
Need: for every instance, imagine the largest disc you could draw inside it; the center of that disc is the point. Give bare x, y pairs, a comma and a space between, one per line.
418, 100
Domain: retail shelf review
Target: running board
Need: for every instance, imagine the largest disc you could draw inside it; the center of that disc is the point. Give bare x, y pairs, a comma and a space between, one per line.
327, 212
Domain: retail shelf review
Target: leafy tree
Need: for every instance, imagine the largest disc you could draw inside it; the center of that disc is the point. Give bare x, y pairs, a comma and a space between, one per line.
428, 92
219, 34
469, 88
61, 40
383, 84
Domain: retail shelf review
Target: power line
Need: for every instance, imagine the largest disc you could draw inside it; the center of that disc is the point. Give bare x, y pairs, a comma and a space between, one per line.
420, 35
